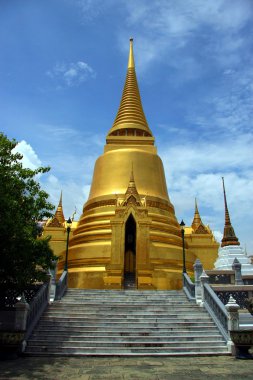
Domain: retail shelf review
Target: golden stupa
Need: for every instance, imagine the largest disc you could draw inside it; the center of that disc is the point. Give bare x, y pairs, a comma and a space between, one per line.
128, 229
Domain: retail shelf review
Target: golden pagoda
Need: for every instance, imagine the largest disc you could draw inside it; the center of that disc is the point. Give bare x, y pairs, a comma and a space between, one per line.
201, 241
128, 230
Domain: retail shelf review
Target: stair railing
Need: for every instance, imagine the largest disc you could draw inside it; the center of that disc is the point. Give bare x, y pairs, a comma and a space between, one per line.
214, 306
189, 287
62, 285
37, 307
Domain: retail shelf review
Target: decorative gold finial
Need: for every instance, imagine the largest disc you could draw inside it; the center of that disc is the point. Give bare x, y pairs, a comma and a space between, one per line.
229, 237
131, 55
60, 202
131, 185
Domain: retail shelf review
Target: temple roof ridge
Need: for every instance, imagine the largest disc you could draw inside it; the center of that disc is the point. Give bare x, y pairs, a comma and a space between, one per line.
229, 237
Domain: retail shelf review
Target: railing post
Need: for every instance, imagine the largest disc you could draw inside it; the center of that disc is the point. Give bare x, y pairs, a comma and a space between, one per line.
233, 321
52, 285
198, 269
237, 267
204, 279
22, 311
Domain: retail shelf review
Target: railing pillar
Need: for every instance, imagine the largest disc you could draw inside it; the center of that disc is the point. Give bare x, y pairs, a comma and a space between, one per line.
22, 310
52, 285
233, 321
198, 269
237, 267
204, 279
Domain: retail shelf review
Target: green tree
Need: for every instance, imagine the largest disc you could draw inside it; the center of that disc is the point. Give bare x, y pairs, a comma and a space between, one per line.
24, 259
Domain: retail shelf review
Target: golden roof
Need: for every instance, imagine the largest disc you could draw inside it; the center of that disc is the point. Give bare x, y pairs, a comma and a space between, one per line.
196, 219
229, 237
130, 114
197, 224
58, 219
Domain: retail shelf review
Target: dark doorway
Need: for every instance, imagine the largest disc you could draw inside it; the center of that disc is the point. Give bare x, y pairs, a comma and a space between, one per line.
130, 254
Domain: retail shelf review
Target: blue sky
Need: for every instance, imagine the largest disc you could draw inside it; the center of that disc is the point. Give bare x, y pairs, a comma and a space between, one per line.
62, 70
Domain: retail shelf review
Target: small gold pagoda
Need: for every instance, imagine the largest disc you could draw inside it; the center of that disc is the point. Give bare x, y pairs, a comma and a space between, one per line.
128, 230
201, 241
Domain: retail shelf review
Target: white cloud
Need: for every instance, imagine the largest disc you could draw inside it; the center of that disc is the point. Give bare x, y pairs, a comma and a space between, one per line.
164, 31
30, 159
71, 74
195, 170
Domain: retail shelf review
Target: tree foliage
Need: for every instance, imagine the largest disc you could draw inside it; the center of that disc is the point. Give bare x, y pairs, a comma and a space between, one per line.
24, 259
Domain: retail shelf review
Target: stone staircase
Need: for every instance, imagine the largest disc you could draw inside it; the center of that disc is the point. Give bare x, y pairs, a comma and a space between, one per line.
127, 323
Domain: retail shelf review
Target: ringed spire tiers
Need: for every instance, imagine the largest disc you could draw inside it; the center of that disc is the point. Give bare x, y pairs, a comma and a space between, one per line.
130, 120
229, 237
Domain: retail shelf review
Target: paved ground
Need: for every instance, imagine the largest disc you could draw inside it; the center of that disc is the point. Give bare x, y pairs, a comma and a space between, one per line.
117, 368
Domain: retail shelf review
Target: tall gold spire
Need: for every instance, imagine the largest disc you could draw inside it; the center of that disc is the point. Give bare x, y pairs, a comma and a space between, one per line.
229, 237
130, 119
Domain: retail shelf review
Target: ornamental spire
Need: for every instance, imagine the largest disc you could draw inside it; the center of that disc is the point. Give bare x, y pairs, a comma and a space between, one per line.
196, 219
131, 64
131, 189
130, 119
59, 211
132, 195
58, 219
197, 224
229, 237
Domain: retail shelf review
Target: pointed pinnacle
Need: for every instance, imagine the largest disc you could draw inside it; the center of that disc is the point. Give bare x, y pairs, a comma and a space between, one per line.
229, 237
196, 219
131, 55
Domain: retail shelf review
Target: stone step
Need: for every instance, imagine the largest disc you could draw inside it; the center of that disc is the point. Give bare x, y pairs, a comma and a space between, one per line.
124, 299
126, 308
112, 292
47, 333
123, 302
128, 330
107, 305
127, 323
153, 351
126, 318
124, 343
124, 338
122, 325
107, 314
125, 295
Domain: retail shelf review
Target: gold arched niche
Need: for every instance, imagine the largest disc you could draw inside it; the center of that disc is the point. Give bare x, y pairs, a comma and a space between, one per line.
115, 270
